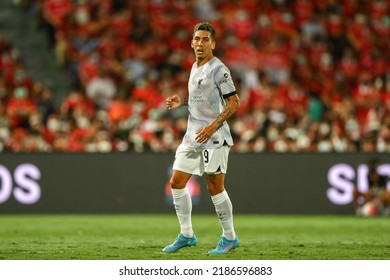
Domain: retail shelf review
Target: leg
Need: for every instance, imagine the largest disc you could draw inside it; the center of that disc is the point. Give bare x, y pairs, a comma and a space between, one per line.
224, 210
183, 208
187, 162
182, 201
222, 203
215, 183
216, 162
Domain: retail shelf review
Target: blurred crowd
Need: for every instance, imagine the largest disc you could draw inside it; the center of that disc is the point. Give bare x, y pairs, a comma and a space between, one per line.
312, 75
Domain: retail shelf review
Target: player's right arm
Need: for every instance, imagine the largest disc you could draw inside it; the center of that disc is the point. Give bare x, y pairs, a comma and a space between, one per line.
175, 101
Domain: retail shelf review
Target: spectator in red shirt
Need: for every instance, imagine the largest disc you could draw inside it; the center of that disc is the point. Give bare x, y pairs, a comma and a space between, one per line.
293, 97
53, 14
20, 107
146, 92
77, 100
359, 34
366, 97
119, 109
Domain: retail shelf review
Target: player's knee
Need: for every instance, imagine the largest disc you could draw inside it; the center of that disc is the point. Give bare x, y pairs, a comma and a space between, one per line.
214, 189
176, 184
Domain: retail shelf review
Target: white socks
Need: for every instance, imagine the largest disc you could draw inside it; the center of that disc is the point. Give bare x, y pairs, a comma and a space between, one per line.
183, 207
224, 210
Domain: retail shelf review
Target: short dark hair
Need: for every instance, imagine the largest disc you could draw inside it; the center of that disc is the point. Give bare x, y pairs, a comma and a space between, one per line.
206, 27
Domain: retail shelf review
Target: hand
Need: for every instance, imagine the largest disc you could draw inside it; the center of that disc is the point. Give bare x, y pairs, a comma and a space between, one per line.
173, 102
204, 134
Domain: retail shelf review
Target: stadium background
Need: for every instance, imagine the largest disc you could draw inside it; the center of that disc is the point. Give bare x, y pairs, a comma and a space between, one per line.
313, 77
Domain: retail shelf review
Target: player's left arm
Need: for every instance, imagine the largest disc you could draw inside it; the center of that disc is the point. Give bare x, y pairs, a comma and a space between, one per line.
232, 104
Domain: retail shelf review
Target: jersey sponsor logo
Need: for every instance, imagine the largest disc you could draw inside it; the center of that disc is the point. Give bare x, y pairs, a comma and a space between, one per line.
196, 99
225, 79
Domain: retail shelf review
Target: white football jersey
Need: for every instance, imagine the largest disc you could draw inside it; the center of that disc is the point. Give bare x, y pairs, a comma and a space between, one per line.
208, 87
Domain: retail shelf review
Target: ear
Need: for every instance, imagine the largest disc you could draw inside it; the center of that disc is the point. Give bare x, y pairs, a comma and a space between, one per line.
213, 45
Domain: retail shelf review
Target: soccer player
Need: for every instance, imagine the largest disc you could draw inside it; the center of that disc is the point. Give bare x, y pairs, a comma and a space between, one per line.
211, 100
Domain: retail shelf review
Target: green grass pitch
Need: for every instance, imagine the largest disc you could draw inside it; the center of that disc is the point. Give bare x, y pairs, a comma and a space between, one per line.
142, 237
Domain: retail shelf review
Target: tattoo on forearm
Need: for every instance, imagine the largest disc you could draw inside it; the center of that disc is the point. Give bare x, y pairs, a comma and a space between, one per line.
185, 101
226, 113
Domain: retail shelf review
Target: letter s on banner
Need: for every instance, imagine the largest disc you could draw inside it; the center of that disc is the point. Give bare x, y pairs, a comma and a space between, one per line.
5, 184
27, 191
341, 192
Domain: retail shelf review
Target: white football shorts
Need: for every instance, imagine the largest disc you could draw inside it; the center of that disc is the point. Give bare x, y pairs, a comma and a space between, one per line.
198, 161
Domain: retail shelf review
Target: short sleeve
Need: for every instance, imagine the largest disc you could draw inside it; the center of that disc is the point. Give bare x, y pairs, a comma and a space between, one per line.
224, 81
